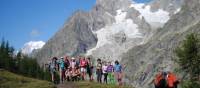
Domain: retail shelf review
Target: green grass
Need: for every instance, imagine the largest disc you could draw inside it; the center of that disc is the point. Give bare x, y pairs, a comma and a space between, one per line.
11, 80
85, 84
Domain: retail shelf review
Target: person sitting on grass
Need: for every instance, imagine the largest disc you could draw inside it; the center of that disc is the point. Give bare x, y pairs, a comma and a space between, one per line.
76, 74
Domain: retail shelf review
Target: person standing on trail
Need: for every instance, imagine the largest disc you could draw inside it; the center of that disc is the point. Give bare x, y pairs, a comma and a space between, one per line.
83, 64
105, 72
62, 69
110, 70
90, 68
53, 69
99, 71
118, 72
67, 65
73, 64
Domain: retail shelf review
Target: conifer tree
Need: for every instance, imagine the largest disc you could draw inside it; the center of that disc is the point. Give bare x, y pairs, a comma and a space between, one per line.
188, 54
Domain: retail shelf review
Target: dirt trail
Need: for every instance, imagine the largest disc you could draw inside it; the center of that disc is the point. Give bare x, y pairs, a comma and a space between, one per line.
67, 85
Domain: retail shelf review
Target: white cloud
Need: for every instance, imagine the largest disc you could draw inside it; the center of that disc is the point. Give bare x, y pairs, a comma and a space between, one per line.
30, 46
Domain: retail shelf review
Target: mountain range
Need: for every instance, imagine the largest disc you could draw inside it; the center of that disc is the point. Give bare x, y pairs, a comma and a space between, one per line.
142, 36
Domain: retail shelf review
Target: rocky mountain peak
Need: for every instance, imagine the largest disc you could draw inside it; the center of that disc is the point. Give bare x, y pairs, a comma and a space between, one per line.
112, 5
168, 5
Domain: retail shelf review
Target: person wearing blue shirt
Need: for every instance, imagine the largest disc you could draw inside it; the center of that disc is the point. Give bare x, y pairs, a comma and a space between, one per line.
118, 72
61, 69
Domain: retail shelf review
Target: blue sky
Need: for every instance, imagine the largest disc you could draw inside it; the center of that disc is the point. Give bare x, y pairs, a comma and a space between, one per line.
22, 21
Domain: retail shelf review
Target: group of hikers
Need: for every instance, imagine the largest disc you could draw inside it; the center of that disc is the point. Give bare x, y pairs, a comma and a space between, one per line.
82, 68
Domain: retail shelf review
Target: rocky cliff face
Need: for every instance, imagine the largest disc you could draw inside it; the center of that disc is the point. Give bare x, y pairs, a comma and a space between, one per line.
74, 38
144, 61
123, 28
167, 5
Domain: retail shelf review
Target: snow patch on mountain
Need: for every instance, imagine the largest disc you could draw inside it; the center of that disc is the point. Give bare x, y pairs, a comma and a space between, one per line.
32, 45
122, 24
159, 16
178, 10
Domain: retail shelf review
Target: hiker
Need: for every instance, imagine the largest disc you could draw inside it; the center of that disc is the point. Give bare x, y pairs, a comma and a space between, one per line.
62, 69
73, 64
83, 64
165, 80
67, 65
69, 74
161, 80
76, 75
53, 69
99, 70
105, 74
89, 68
118, 72
110, 70
172, 80
78, 59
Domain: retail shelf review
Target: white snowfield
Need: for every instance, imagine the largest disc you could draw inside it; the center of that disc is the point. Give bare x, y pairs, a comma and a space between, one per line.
30, 46
159, 16
121, 25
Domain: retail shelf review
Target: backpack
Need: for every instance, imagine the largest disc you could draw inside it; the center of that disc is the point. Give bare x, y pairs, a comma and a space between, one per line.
161, 80
52, 66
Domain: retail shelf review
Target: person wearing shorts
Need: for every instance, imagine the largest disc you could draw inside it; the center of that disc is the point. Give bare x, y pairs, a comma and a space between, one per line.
118, 72
83, 64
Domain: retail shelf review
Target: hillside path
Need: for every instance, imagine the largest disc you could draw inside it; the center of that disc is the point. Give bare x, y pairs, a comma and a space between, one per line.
67, 85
